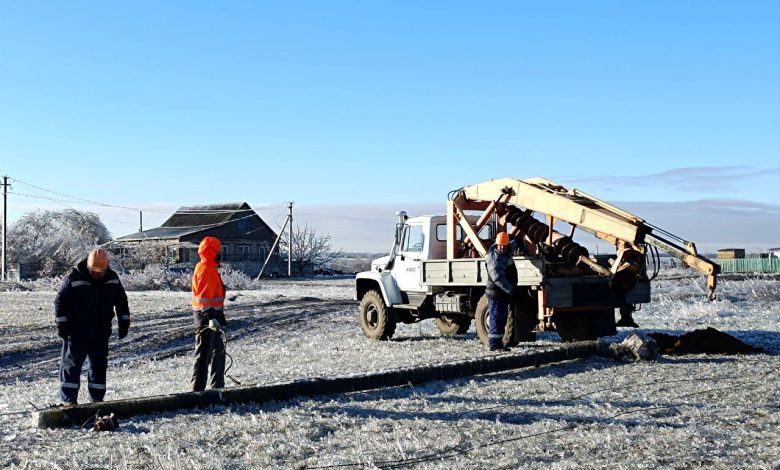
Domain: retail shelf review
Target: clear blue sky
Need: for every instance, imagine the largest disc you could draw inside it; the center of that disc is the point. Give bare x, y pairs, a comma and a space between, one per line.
169, 103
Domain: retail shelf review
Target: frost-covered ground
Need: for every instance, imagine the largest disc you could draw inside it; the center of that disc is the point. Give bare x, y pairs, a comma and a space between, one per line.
695, 411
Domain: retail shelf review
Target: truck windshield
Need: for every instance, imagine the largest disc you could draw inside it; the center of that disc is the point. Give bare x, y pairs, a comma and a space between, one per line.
414, 239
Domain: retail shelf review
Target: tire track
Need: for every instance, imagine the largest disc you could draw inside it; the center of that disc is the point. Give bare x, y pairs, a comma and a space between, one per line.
162, 335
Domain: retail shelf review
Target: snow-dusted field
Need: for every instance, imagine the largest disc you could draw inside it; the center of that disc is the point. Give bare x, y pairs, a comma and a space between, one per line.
686, 412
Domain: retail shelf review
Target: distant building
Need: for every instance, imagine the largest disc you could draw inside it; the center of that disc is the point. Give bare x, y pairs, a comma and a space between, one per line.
731, 253
246, 238
774, 252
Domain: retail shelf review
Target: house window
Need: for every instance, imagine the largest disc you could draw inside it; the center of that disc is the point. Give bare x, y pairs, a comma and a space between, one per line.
242, 251
243, 223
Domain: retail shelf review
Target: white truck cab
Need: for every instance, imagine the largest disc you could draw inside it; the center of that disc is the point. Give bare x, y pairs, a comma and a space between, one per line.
396, 281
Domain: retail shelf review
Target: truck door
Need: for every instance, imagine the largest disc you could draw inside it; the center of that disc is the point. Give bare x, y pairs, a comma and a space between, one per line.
406, 268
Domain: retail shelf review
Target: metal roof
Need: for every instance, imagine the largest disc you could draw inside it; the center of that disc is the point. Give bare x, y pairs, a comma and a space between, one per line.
192, 219
162, 233
200, 216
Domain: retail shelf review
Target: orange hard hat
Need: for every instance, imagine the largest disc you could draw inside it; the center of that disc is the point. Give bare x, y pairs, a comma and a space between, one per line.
97, 260
502, 239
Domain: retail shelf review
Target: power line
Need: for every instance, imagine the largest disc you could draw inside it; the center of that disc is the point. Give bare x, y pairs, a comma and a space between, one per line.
461, 449
75, 199
64, 203
80, 200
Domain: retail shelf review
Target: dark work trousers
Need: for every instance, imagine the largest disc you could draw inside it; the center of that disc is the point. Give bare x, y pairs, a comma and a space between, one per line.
209, 351
499, 311
74, 351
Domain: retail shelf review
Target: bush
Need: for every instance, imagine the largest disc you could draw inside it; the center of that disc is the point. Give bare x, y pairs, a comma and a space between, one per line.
237, 280
153, 277
156, 277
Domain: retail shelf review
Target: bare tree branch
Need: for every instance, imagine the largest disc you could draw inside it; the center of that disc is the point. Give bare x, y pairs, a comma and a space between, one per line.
310, 251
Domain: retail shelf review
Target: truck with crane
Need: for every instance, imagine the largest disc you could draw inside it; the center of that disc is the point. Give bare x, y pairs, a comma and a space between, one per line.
436, 267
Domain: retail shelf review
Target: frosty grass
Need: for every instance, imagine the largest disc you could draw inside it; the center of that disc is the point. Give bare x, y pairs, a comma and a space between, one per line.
686, 412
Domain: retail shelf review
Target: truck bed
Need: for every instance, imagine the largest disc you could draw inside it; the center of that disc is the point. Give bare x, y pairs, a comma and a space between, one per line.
561, 292
473, 272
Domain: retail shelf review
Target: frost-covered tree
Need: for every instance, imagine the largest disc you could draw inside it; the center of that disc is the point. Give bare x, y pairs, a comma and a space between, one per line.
140, 256
51, 241
311, 251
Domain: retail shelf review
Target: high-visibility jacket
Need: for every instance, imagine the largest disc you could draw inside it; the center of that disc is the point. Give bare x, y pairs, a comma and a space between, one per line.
208, 291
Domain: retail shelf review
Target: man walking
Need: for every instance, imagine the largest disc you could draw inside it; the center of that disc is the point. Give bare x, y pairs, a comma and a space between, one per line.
502, 279
208, 298
84, 309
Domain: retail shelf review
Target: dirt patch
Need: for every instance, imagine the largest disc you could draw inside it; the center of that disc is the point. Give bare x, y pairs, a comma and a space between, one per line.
709, 341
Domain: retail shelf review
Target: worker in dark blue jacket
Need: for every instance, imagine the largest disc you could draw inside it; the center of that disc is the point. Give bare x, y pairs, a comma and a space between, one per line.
501, 282
84, 309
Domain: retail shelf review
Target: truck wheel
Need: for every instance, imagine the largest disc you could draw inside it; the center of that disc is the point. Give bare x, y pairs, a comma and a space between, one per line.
572, 326
522, 319
481, 319
592, 324
376, 319
453, 325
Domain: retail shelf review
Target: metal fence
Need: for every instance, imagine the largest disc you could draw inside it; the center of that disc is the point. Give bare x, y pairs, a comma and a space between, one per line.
749, 265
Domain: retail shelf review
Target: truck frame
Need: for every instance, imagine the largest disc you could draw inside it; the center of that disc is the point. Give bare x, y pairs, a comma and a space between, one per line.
436, 267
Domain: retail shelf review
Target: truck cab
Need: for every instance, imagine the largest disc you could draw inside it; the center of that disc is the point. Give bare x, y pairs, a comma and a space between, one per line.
397, 282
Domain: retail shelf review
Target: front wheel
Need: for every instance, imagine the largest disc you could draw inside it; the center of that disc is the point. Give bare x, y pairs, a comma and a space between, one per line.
376, 318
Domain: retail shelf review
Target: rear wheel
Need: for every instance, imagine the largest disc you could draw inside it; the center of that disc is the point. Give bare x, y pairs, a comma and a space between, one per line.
482, 321
592, 324
522, 317
519, 323
572, 326
451, 325
376, 318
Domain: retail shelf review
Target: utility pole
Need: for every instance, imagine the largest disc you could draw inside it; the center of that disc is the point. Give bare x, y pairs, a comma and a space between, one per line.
140, 221
289, 245
5, 226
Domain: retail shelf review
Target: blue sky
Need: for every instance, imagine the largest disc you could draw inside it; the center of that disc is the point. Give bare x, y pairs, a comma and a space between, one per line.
375, 105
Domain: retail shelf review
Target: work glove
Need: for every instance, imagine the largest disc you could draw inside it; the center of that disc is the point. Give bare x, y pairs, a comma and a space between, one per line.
123, 328
62, 331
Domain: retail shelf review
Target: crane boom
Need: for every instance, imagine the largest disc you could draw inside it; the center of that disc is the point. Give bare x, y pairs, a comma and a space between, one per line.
606, 221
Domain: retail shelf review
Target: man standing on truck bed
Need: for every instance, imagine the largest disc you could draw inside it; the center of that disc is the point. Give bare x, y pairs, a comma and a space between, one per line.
502, 279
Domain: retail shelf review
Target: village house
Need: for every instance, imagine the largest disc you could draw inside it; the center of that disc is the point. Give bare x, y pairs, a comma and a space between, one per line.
246, 238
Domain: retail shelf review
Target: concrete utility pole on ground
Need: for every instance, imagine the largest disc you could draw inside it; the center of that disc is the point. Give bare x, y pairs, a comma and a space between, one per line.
5, 226
289, 245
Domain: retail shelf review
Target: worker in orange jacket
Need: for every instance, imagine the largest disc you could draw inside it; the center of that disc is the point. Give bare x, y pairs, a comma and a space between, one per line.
208, 298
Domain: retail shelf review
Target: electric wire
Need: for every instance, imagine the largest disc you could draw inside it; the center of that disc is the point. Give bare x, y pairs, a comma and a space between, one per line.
455, 451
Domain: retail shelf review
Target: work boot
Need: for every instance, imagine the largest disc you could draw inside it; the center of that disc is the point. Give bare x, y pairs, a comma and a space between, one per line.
626, 318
